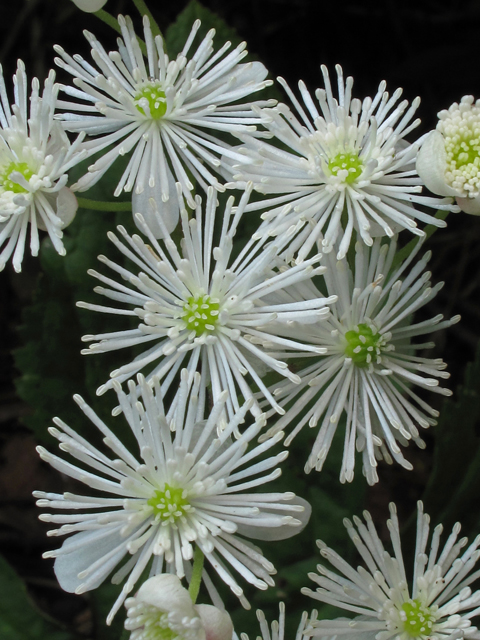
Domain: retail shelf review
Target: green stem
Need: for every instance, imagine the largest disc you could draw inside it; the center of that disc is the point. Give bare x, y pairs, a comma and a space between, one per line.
145, 11
108, 19
430, 229
98, 205
196, 579
104, 16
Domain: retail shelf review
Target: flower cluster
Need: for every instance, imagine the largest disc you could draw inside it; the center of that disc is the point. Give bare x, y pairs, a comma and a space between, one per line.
306, 315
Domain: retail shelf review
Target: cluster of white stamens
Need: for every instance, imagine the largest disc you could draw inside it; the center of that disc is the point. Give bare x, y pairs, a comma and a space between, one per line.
460, 127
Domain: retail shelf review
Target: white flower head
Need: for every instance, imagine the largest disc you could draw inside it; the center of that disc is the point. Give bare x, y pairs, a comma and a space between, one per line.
35, 156
277, 628
163, 610
90, 6
202, 305
186, 486
370, 363
436, 604
166, 112
346, 166
449, 159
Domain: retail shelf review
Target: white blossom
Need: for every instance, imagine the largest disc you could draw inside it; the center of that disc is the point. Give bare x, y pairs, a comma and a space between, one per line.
162, 608
449, 159
186, 486
342, 168
35, 156
202, 307
168, 113
437, 603
370, 364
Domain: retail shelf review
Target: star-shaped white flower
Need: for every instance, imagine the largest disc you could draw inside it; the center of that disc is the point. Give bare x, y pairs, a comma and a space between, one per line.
185, 486
166, 113
436, 602
35, 156
370, 364
202, 305
342, 167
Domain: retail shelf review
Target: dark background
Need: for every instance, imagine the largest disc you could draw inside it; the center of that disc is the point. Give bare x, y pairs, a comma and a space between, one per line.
429, 48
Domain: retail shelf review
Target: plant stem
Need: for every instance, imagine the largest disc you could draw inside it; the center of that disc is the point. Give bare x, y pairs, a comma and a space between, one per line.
98, 205
430, 229
196, 579
145, 11
108, 19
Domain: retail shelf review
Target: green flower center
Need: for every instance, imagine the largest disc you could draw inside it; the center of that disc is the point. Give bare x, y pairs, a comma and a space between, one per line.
156, 625
363, 345
200, 313
419, 621
464, 150
348, 162
170, 504
156, 99
5, 173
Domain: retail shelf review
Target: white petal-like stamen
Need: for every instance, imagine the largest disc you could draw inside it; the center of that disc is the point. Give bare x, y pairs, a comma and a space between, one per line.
277, 628
347, 167
187, 485
203, 306
439, 605
370, 362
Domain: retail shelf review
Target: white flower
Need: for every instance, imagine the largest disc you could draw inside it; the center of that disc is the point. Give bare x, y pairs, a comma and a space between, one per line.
161, 110
35, 155
188, 486
370, 364
277, 630
162, 608
439, 605
203, 305
449, 159
90, 6
351, 168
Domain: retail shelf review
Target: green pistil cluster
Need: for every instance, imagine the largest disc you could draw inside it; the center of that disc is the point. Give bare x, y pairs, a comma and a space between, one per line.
156, 625
200, 313
464, 150
363, 345
419, 620
6, 172
349, 162
170, 504
156, 99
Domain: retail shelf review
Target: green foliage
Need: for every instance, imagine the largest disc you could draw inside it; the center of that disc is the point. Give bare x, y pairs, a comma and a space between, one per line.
454, 484
19, 618
177, 33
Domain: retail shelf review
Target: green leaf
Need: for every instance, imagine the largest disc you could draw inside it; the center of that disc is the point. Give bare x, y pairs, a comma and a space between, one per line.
178, 32
19, 617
